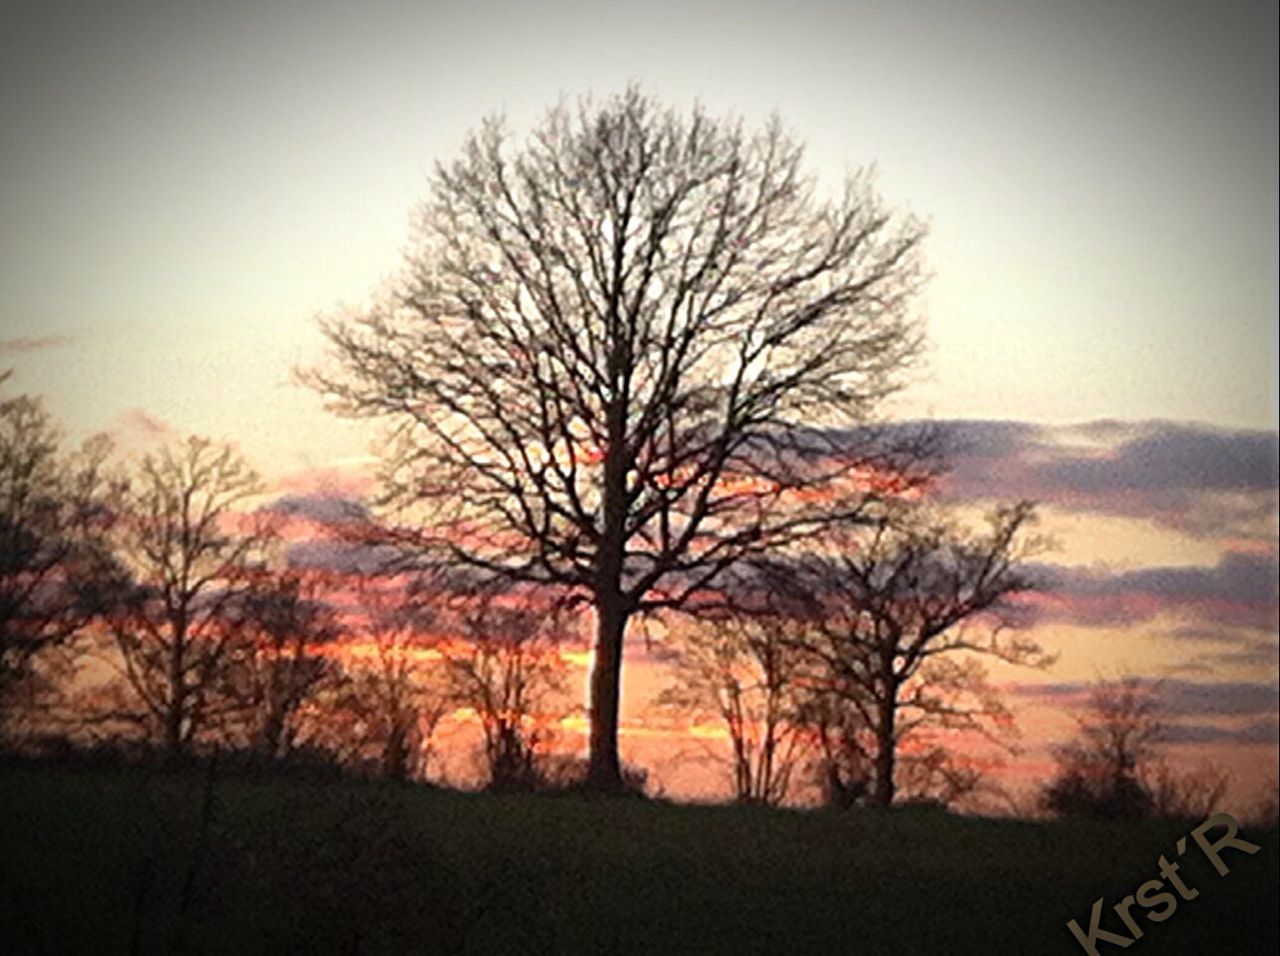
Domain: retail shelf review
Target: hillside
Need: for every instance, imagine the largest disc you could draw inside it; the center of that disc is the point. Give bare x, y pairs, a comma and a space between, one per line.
118, 860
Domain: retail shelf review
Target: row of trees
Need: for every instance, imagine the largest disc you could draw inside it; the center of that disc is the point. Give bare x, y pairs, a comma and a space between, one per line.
155, 604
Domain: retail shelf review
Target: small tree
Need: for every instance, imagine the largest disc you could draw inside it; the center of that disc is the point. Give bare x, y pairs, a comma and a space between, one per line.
742, 670
1112, 769
1099, 773
178, 627
899, 612
506, 668
291, 627
936, 776
1191, 795
622, 357
53, 568
926, 773
395, 689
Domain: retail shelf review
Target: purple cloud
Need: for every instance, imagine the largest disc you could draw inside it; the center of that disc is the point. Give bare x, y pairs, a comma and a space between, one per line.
325, 509
1240, 591
1173, 457
1255, 732
1177, 698
1200, 479
343, 557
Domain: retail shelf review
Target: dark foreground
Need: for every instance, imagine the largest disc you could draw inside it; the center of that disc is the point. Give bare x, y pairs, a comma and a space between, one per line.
120, 861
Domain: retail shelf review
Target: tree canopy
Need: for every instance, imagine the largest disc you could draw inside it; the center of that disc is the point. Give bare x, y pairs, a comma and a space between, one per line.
622, 356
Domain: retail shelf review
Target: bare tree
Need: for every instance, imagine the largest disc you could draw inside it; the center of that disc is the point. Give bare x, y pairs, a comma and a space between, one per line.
1193, 794
290, 626
1098, 773
507, 669
52, 564
930, 772
937, 776
1113, 767
900, 611
744, 671
178, 628
623, 358
395, 693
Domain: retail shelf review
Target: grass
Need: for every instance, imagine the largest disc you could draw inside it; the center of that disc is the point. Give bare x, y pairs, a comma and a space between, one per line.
120, 860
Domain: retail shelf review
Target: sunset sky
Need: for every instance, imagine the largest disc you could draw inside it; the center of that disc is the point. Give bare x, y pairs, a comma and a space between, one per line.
184, 188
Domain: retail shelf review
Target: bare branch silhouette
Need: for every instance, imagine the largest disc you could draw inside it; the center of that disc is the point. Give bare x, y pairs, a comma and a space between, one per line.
744, 671
1113, 769
53, 516
507, 670
384, 713
900, 610
625, 356
178, 628
290, 624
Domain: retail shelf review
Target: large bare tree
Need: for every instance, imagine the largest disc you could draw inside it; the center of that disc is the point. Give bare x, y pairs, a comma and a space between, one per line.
622, 357
901, 610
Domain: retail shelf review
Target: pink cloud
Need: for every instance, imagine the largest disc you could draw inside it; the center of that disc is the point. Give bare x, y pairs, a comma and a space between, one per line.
32, 343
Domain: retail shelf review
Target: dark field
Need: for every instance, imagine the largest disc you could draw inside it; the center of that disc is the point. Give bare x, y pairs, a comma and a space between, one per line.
118, 861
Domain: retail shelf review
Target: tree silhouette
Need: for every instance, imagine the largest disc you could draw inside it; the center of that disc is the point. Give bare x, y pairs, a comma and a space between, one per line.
393, 696
505, 667
1099, 773
179, 626
1113, 769
745, 671
899, 612
53, 515
622, 357
288, 622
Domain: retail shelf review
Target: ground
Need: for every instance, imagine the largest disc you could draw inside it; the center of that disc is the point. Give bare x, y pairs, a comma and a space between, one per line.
106, 860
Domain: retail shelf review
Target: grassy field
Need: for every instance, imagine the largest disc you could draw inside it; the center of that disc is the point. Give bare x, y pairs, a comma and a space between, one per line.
119, 861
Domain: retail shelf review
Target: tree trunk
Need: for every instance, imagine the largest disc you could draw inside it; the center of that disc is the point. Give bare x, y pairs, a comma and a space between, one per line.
886, 747
271, 734
604, 772
173, 733
177, 702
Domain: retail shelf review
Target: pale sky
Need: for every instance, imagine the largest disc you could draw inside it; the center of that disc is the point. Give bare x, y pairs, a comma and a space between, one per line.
184, 187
